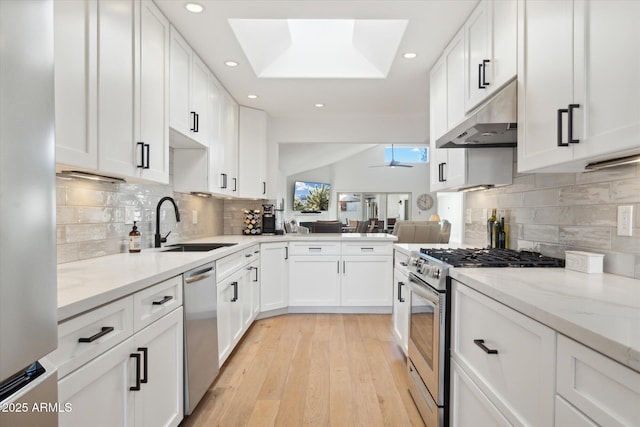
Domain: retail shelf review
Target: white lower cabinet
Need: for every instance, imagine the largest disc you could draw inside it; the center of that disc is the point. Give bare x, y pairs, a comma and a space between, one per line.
315, 280
509, 357
112, 373
472, 407
274, 276
568, 415
401, 309
230, 317
365, 281
606, 392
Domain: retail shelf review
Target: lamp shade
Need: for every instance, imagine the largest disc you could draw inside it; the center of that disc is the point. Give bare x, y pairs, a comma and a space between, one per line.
434, 217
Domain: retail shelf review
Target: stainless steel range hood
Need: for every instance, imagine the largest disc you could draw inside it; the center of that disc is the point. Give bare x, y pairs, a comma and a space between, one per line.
493, 124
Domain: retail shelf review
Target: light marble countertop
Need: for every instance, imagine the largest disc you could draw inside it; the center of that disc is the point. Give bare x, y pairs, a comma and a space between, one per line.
87, 284
602, 311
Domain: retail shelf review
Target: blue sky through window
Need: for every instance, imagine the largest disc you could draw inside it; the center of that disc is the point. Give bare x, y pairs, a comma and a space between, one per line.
407, 154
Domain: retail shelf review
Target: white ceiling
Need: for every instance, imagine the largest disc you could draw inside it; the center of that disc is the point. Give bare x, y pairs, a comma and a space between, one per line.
431, 24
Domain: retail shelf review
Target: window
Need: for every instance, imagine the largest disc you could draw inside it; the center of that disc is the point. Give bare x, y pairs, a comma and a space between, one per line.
407, 154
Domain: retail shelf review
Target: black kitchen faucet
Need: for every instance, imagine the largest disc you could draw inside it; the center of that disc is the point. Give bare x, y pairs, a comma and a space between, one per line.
159, 238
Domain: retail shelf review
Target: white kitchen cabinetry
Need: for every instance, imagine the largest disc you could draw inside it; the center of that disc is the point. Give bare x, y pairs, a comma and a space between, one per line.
189, 119
577, 90
226, 166
252, 145
274, 265
367, 269
137, 376
455, 168
401, 301
315, 280
114, 59
490, 61
230, 318
597, 390
509, 357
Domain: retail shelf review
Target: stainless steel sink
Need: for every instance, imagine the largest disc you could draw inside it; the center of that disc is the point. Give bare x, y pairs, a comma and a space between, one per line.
196, 247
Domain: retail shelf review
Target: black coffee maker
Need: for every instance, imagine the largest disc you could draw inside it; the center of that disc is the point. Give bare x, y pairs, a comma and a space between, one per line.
268, 219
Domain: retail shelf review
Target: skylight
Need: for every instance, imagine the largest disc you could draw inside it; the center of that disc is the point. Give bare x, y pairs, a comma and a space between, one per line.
319, 48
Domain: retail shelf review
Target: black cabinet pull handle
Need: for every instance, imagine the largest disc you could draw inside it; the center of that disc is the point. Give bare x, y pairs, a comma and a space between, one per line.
400, 285
441, 177
145, 359
235, 292
484, 73
264, 187
235, 184
147, 149
103, 331
224, 181
197, 123
570, 124
338, 267
137, 386
256, 279
344, 267
480, 343
163, 300
480, 77
141, 162
286, 252
193, 121
561, 111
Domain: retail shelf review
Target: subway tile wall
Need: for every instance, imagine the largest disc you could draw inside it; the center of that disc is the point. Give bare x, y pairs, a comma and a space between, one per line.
552, 213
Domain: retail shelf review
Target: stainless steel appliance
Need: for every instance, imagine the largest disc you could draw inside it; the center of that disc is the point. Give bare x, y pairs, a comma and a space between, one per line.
200, 333
428, 361
28, 293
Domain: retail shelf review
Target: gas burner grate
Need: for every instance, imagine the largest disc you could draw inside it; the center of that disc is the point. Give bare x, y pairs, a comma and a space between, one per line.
479, 257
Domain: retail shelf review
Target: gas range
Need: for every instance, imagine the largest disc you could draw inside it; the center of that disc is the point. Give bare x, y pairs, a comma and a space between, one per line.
432, 265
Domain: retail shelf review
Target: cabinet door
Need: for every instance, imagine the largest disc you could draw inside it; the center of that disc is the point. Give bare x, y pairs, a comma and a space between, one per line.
230, 132
75, 77
315, 281
469, 406
437, 121
180, 77
401, 308
454, 55
477, 33
230, 319
200, 100
252, 144
159, 402
545, 80
116, 91
255, 274
504, 42
365, 281
153, 90
246, 296
606, 83
99, 391
274, 284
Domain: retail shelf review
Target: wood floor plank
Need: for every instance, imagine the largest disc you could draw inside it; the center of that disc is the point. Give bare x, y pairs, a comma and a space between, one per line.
337, 370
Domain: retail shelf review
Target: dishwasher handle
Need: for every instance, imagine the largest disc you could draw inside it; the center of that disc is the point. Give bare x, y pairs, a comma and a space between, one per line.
198, 275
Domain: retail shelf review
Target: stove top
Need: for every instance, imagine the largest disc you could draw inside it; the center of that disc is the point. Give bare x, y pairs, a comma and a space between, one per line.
492, 258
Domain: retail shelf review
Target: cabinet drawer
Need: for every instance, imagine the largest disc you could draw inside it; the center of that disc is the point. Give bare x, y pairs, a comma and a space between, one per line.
603, 389
401, 261
519, 378
568, 415
367, 248
229, 264
252, 253
154, 302
94, 327
314, 248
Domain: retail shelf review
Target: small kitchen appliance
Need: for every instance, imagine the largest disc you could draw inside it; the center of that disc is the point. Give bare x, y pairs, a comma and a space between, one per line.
268, 219
429, 319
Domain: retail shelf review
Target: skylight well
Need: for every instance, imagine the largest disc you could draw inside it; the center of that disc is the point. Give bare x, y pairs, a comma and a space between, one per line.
319, 48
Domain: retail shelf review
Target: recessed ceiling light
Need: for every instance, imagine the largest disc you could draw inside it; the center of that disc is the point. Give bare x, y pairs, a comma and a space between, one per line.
319, 105
409, 55
252, 96
194, 7
231, 64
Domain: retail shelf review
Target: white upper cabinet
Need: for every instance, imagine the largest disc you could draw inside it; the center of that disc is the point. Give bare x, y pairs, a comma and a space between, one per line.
189, 119
491, 49
112, 88
252, 145
578, 88
75, 82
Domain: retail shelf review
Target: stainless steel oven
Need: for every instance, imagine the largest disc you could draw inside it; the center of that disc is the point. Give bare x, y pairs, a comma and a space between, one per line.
428, 358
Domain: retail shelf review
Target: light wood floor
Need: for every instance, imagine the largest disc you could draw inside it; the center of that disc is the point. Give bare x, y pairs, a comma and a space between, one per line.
312, 370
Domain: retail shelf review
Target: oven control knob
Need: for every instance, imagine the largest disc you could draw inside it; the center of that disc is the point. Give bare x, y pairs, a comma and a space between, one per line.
426, 270
435, 273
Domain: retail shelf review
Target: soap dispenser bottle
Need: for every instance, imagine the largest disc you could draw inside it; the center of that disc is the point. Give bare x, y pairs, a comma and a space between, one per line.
135, 239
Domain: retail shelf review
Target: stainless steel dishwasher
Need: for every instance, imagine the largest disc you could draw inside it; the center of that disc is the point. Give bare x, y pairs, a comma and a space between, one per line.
200, 333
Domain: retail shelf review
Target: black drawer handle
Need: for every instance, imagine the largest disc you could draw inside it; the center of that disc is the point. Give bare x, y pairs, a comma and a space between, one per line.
141, 163
235, 292
570, 124
484, 73
480, 343
137, 386
145, 359
561, 111
104, 331
400, 285
163, 300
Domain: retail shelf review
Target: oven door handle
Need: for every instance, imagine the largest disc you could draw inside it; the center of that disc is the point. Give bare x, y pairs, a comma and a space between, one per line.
421, 289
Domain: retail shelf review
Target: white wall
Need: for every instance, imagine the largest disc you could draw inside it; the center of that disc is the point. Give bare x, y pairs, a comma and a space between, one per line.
354, 174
